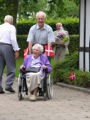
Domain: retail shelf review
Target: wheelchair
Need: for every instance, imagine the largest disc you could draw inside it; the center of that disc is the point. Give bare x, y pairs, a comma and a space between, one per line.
45, 91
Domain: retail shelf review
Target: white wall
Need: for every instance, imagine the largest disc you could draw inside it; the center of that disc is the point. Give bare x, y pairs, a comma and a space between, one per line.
84, 35
81, 53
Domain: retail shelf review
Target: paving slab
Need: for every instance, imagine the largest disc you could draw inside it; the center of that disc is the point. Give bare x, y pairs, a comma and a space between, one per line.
66, 104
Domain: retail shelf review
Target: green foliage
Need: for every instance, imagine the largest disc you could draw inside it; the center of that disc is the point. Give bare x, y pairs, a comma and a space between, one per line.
65, 39
56, 7
71, 8
74, 43
77, 2
22, 43
70, 24
63, 69
70, 63
82, 78
8, 7
28, 8
63, 8
24, 25
2, 10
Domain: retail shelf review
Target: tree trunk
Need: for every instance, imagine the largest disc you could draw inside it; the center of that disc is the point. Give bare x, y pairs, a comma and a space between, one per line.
12, 8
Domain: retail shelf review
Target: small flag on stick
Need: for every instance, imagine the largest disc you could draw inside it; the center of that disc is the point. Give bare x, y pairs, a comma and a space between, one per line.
49, 51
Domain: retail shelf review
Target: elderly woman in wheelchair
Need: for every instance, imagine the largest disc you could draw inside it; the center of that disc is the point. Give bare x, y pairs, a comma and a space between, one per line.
39, 61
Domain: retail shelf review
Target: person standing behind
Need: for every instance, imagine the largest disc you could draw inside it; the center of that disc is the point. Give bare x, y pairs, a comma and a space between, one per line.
62, 38
40, 33
9, 52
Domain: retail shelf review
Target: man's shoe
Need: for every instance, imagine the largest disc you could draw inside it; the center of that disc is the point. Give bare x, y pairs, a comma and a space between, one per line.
10, 89
2, 92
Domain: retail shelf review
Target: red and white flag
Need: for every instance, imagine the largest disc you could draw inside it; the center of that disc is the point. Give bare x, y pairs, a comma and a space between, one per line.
72, 76
25, 52
49, 51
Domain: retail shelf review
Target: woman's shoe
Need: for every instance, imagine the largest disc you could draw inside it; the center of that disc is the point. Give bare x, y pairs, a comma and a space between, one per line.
33, 98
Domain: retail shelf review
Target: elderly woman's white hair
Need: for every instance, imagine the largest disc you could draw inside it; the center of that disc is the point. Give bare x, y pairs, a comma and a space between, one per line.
9, 19
39, 46
41, 13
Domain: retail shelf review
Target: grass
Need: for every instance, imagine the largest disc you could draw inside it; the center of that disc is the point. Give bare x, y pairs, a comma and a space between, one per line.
19, 62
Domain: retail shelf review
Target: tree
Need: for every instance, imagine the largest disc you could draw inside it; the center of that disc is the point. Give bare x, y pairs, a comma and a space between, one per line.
28, 8
56, 7
77, 2
64, 8
9, 7
2, 10
71, 8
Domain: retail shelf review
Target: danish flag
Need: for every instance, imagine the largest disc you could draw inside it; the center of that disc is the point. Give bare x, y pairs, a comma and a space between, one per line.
72, 76
25, 52
49, 51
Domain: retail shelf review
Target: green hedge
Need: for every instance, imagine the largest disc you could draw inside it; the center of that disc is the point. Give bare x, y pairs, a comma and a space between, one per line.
66, 66
74, 43
70, 24
24, 26
22, 43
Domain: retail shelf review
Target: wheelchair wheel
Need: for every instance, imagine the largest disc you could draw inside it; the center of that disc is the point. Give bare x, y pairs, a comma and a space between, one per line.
49, 87
20, 96
22, 88
45, 96
19, 93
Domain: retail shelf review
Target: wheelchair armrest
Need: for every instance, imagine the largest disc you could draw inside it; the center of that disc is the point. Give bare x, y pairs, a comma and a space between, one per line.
22, 71
46, 70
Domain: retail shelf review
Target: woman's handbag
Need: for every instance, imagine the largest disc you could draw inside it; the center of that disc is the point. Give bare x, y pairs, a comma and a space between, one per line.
33, 69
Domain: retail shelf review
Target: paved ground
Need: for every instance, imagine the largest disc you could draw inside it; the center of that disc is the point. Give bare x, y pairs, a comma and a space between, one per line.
67, 104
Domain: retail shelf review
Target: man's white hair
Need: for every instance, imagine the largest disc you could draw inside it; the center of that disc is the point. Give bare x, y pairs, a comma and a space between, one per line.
41, 13
8, 18
39, 46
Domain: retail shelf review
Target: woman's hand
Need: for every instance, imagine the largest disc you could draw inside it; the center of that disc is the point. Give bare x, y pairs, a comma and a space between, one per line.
22, 67
44, 67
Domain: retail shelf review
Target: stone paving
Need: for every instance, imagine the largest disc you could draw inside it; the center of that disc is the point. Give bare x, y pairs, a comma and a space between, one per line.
67, 104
